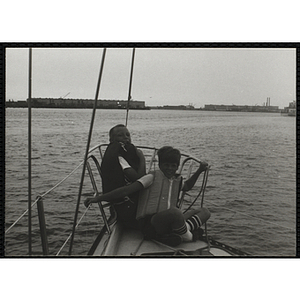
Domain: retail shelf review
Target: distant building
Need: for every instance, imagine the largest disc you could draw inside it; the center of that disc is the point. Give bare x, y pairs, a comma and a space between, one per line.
21, 103
176, 107
244, 108
77, 103
290, 110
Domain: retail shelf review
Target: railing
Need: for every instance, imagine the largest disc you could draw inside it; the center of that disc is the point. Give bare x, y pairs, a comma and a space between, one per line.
93, 166
40, 209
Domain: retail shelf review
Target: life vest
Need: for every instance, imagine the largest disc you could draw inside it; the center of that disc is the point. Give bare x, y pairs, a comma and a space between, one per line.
161, 195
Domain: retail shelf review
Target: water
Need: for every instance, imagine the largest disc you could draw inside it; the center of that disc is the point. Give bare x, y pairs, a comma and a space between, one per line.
251, 190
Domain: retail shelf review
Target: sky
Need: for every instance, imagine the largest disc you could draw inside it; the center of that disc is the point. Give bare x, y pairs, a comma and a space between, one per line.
161, 76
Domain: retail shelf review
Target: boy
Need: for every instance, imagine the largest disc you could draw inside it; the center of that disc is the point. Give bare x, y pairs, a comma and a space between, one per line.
157, 211
121, 165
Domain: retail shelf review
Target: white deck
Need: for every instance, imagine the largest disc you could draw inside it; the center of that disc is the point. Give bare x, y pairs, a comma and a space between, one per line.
131, 243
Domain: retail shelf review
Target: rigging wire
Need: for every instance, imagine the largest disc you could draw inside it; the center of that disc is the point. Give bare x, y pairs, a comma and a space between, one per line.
64, 244
87, 149
29, 151
47, 192
42, 196
21, 216
130, 84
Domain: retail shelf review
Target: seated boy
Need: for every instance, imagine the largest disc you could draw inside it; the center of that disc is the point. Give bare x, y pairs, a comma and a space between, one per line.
158, 216
121, 165
157, 207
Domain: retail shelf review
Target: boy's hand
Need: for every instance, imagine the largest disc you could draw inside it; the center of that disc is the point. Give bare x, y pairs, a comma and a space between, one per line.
91, 200
203, 166
192, 180
87, 202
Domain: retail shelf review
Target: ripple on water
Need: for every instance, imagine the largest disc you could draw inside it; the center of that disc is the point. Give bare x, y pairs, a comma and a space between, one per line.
252, 158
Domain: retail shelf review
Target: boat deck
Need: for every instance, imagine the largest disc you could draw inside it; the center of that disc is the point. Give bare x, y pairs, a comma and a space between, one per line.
131, 243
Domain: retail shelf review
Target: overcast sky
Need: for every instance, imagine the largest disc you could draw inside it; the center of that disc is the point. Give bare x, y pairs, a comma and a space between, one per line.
173, 76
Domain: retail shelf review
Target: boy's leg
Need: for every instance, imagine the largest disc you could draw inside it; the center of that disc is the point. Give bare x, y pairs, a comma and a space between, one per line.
196, 218
171, 221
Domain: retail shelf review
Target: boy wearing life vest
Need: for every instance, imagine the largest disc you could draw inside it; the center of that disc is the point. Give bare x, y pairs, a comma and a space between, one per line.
157, 207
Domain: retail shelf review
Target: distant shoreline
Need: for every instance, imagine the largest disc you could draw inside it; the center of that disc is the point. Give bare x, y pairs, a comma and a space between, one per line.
145, 108
136, 105
24, 105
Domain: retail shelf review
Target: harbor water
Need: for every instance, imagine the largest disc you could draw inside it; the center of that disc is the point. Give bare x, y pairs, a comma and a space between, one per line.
251, 189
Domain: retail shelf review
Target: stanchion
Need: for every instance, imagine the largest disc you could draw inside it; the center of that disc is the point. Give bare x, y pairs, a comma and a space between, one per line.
42, 222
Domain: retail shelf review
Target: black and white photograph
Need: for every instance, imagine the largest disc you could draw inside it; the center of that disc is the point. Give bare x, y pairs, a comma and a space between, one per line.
150, 151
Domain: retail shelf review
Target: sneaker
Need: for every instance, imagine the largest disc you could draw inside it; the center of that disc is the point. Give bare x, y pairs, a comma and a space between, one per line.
198, 234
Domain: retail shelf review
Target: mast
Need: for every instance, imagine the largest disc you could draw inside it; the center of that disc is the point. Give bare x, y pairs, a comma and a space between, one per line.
87, 149
130, 84
29, 150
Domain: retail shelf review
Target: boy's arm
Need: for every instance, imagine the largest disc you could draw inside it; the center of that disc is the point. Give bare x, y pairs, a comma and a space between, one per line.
142, 165
192, 180
121, 192
130, 173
